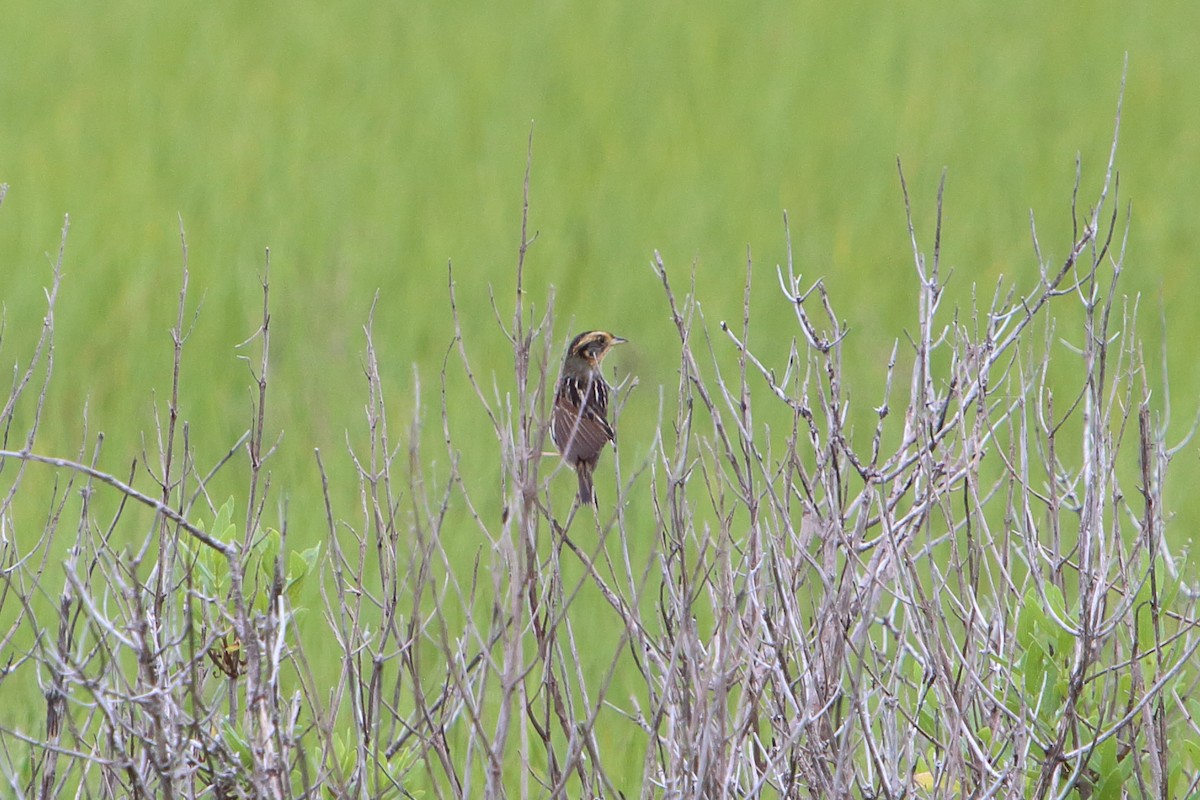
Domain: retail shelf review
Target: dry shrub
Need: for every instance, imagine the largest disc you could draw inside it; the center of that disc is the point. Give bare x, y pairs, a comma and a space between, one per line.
978, 600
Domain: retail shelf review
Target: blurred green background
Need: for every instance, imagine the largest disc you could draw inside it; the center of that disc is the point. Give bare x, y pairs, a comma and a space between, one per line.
369, 144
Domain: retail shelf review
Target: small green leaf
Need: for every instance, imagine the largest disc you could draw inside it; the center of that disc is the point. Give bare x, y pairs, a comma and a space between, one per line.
1124, 690
1106, 755
310, 557
269, 545
223, 522
240, 748
1033, 669
1054, 599
1030, 619
984, 735
1109, 787
217, 566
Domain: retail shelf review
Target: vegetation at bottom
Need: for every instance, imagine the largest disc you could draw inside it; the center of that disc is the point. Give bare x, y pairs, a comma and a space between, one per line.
973, 596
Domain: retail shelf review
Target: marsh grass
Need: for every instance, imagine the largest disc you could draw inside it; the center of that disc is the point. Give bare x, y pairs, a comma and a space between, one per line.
974, 598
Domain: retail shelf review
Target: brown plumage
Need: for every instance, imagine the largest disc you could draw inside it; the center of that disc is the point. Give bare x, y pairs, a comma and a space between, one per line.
580, 426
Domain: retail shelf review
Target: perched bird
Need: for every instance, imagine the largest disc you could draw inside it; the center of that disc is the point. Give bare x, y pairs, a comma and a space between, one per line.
580, 426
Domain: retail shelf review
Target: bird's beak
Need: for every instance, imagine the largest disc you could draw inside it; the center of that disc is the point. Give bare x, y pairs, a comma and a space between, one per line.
619, 340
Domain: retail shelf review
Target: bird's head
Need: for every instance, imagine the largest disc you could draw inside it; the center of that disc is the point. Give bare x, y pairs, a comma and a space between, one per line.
593, 346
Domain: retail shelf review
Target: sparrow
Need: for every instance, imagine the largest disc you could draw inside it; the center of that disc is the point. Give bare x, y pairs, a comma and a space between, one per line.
579, 426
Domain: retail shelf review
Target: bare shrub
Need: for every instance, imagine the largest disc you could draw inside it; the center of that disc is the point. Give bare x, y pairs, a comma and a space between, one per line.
976, 599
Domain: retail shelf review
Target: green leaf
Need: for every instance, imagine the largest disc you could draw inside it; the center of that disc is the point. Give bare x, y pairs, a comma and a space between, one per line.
1110, 785
1056, 602
343, 751
223, 523
1033, 670
1191, 742
217, 568
269, 545
1031, 620
984, 735
238, 744
926, 719
1124, 690
1106, 755
310, 557
1145, 626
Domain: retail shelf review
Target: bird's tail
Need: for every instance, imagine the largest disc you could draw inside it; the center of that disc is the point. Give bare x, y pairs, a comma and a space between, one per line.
587, 496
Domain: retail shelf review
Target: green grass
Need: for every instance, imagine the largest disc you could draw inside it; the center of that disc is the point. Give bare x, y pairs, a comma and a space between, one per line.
368, 145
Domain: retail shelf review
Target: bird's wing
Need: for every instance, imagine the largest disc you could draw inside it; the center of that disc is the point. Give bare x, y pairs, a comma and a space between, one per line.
585, 425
